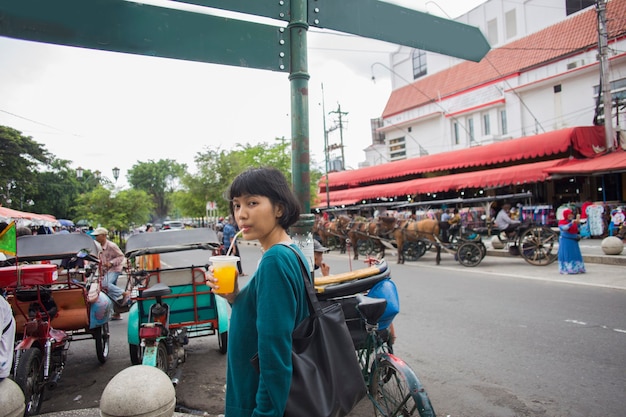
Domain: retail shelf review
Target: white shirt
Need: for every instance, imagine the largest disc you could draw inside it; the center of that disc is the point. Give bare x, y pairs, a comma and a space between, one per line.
7, 326
503, 220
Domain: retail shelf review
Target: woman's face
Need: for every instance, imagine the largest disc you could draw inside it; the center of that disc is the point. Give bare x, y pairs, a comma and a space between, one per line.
256, 216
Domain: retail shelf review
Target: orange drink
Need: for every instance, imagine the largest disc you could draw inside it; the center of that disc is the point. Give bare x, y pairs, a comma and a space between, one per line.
225, 270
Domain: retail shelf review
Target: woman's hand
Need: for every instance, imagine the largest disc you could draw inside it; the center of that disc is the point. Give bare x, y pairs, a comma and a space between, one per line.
211, 282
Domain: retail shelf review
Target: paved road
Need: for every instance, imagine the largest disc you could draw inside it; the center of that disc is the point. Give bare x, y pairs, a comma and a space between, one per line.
84, 379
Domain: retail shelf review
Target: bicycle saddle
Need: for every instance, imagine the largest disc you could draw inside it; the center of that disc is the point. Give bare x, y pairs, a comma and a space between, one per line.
157, 290
371, 309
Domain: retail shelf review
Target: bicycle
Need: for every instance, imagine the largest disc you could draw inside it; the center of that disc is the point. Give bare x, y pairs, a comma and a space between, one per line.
392, 386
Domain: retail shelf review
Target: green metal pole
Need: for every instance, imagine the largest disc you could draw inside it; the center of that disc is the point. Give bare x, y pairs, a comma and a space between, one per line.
299, 82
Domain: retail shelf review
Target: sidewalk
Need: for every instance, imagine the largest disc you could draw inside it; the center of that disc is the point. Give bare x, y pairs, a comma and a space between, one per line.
590, 248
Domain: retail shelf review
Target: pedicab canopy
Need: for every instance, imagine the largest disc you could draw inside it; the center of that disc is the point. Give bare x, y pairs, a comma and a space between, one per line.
171, 241
32, 248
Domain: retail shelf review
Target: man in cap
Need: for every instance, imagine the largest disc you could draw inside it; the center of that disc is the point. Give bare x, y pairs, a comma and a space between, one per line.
112, 260
318, 254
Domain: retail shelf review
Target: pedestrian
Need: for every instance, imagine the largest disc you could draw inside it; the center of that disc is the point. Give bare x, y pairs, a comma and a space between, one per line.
7, 339
228, 233
270, 306
570, 257
112, 260
318, 254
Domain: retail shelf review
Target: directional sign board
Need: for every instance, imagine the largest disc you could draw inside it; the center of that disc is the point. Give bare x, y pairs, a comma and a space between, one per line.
123, 26
395, 24
373, 19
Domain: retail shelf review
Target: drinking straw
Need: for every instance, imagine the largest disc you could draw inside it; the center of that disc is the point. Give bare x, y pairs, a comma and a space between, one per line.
233, 244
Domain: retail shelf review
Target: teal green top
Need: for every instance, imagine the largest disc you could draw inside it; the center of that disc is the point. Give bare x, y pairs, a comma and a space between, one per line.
264, 315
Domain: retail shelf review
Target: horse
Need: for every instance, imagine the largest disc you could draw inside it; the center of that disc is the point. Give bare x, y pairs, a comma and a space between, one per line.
362, 230
415, 230
338, 228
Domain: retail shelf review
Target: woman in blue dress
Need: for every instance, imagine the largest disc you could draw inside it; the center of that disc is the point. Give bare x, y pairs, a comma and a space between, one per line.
570, 258
271, 305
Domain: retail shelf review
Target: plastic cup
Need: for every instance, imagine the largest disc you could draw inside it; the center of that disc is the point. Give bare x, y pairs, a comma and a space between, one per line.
225, 270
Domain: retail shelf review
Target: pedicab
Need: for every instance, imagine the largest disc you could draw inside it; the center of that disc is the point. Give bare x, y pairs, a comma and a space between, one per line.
171, 304
53, 306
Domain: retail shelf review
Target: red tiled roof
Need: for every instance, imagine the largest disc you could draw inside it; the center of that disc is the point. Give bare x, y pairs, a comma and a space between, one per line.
575, 34
582, 139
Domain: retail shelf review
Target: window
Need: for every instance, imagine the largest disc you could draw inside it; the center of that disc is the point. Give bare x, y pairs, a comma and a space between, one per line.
503, 127
511, 24
618, 98
486, 125
470, 128
397, 149
419, 63
572, 6
457, 138
492, 31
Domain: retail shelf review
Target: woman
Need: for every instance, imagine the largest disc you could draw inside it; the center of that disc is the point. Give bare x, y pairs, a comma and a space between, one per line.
570, 258
267, 309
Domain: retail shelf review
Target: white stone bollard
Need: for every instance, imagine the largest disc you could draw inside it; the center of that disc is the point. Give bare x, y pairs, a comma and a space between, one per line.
612, 245
496, 243
12, 402
139, 391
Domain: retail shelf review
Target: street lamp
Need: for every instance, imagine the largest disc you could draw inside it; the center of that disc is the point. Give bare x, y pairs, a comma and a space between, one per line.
79, 172
116, 173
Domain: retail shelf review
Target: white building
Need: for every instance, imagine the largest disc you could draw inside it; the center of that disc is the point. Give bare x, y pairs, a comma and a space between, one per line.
542, 74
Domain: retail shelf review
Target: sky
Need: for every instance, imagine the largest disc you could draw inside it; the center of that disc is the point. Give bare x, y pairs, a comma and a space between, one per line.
102, 110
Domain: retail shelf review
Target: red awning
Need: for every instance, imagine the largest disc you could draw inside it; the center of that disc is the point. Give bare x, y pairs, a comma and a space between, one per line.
586, 140
16, 214
604, 164
498, 177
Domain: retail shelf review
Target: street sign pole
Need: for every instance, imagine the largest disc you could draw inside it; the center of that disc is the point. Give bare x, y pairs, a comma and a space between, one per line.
300, 157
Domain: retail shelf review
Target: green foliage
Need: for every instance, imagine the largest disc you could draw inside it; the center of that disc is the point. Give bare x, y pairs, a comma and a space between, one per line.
20, 160
115, 212
159, 180
217, 168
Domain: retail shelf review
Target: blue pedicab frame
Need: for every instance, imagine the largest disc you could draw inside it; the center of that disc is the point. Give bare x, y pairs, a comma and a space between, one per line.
191, 303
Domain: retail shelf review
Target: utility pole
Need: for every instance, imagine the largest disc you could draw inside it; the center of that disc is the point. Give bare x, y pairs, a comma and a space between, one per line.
340, 127
604, 74
326, 150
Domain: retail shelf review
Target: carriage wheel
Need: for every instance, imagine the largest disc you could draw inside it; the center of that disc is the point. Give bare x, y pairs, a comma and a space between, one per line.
365, 247
483, 248
414, 250
469, 254
539, 246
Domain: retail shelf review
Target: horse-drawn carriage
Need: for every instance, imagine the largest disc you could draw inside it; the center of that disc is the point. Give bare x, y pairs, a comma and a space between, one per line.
410, 238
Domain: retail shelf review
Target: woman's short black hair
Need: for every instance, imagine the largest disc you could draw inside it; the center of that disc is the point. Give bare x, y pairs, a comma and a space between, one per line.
271, 183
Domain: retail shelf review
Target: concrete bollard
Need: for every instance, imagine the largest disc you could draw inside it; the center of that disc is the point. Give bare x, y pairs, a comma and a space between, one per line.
496, 243
139, 391
12, 402
612, 245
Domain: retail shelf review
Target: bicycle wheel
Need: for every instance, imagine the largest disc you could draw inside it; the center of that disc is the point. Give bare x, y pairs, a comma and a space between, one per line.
395, 390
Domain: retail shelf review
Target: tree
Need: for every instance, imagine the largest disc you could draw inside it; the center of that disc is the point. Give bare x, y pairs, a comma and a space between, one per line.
20, 160
115, 212
56, 190
159, 179
217, 168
